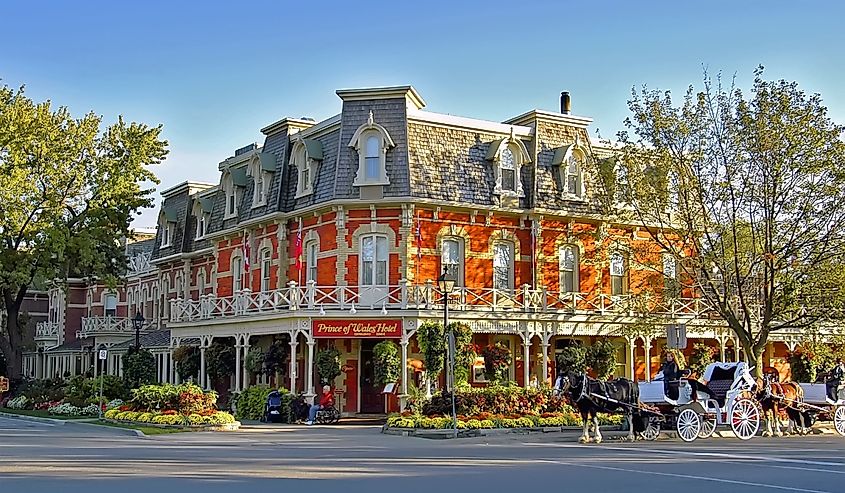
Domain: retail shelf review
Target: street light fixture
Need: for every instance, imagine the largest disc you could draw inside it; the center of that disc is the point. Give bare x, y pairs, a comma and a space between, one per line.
138, 322
446, 287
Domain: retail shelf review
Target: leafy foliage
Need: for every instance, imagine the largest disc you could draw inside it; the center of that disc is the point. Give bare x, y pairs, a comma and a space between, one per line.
496, 400
249, 404
275, 358
465, 350
185, 398
139, 368
702, 355
69, 192
220, 361
187, 361
328, 365
601, 358
810, 361
432, 343
747, 193
254, 360
497, 362
572, 359
388, 366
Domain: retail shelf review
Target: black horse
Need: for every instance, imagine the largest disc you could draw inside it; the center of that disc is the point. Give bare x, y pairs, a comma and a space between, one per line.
590, 396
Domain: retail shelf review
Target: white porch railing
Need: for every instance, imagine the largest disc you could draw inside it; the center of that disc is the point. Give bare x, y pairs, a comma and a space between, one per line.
426, 297
92, 326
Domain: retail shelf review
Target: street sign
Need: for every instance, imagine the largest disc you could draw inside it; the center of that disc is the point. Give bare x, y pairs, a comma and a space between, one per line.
103, 354
676, 336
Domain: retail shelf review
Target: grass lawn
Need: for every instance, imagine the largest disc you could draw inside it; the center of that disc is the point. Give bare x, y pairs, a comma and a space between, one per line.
146, 430
40, 414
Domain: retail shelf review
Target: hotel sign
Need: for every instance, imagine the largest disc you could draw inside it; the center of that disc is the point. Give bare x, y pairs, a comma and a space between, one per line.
357, 328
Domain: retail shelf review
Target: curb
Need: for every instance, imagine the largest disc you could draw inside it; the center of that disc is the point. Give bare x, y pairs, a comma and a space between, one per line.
35, 419
120, 431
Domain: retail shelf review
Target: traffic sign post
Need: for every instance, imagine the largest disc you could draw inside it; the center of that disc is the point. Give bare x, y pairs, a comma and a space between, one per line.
103, 354
676, 336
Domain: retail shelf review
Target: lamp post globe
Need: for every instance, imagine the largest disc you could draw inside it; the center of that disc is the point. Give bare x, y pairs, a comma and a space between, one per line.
138, 322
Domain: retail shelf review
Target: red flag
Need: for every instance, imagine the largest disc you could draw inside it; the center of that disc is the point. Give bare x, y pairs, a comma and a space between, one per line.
298, 250
419, 239
246, 253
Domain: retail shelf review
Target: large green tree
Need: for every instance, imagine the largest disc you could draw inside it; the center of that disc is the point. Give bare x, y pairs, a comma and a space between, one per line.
69, 189
745, 193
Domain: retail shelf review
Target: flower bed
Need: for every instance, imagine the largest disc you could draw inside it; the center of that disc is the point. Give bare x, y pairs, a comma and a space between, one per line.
490, 421
67, 409
171, 418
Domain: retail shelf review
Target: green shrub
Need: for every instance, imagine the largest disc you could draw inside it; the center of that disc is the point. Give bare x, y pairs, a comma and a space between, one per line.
276, 357
601, 358
464, 352
702, 355
387, 364
254, 361
497, 362
432, 344
572, 359
250, 403
220, 361
187, 361
139, 368
183, 398
809, 361
328, 365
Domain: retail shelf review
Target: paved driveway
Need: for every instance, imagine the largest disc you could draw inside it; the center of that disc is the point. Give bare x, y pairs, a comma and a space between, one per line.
76, 458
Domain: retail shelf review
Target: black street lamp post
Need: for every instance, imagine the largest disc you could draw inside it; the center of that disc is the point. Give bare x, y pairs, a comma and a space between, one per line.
138, 322
446, 286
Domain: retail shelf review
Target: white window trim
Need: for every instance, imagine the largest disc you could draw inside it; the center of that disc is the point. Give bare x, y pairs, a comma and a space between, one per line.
230, 190
261, 181
361, 268
308, 265
359, 142
237, 280
167, 230
512, 261
625, 273
581, 158
461, 258
299, 158
576, 280
266, 268
520, 158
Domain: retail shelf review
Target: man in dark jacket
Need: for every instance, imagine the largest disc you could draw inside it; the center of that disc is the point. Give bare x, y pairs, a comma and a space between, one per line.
834, 379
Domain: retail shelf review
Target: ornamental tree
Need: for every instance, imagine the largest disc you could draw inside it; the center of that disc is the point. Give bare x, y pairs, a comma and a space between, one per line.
69, 190
745, 194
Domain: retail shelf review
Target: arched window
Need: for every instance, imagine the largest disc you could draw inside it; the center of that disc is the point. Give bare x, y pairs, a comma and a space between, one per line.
311, 260
237, 274
266, 262
618, 274
372, 142
503, 265
573, 174
201, 282
569, 269
306, 154
374, 260
452, 260
507, 170
372, 158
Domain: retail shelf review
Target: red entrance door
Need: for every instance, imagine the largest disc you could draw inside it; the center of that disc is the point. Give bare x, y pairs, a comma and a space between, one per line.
372, 401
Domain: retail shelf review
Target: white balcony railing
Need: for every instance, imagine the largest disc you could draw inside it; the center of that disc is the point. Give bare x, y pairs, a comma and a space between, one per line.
46, 331
427, 296
93, 326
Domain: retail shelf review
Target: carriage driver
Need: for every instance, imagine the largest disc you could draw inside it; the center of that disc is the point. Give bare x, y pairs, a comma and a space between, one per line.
834, 379
670, 376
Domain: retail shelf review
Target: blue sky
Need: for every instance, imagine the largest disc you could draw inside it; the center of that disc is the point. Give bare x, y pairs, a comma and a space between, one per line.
214, 73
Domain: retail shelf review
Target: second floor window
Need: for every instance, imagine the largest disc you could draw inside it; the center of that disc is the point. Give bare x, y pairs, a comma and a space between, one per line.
372, 158
503, 265
452, 260
266, 262
311, 261
237, 274
111, 305
569, 269
618, 268
374, 260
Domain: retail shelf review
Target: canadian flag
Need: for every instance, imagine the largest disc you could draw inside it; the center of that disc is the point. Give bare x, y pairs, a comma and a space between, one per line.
298, 249
246, 252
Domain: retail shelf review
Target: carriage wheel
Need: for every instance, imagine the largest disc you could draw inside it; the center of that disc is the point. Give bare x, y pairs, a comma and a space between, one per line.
839, 420
689, 425
652, 429
745, 418
708, 426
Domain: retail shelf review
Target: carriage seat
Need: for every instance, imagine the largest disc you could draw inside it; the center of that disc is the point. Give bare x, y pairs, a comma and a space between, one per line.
720, 389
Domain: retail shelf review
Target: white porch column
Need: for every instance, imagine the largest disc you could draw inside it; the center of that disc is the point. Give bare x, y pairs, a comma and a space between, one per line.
244, 371
309, 372
647, 347
294, 344
403, 396
238, 364
171, 374
526, 360
203, 376
632, 367
545, 345
722, 344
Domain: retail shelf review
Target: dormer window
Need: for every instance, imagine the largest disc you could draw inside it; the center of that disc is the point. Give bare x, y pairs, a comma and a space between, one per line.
260, 168
305, 157
167, 226
570, 162
202, 214
234, 181
372, 142
508, 155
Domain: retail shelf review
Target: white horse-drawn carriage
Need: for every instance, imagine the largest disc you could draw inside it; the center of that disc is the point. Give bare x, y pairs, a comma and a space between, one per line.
697, 410
817, 404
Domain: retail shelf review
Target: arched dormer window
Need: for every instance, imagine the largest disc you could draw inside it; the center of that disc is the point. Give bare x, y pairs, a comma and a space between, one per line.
306, 155
202, 214
167, 226
260, 168
570, 161
508, 156
372, 142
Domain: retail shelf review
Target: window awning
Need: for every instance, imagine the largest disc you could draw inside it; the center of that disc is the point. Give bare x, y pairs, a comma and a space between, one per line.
170, 214
314, 149
206, 204
561, 153
267, 161
238, 176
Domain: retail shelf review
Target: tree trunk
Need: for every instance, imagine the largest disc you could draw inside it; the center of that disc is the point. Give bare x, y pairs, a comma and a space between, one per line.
754, 357
11, 341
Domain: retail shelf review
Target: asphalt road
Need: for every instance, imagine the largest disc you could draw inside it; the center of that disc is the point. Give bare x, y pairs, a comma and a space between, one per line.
37, 457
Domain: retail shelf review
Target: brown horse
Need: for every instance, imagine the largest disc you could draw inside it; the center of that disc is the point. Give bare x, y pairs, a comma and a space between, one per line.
777, 397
